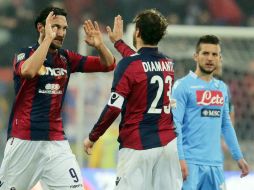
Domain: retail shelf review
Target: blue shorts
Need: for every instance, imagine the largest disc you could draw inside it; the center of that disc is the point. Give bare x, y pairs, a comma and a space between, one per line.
202, 177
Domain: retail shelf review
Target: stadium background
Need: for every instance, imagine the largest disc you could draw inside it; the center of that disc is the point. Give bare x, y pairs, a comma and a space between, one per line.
231, 20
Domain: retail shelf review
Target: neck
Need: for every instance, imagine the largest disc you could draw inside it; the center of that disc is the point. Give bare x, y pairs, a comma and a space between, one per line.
204, 76
139, 45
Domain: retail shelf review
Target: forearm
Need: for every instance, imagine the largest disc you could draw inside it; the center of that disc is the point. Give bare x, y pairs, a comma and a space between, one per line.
231, 141
179, 140
123, 48
33, 64
107, 117
107, 59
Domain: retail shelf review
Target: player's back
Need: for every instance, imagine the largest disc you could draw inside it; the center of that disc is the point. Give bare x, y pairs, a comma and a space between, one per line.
145, 80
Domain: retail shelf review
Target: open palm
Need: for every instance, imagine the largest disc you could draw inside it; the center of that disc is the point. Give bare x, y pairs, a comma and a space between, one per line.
93, 34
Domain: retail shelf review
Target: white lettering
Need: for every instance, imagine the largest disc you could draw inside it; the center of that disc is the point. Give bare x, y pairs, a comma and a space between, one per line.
145, 66
157, 66
55, 71
208, 99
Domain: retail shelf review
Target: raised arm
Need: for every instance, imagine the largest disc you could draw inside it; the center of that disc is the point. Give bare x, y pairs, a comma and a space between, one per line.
116, 36
33, 64
94, 39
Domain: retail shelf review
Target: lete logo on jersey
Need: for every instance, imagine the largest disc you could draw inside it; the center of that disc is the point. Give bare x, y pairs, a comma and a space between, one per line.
209, 98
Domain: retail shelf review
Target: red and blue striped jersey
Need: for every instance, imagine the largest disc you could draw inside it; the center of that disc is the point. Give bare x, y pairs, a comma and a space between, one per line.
36, 111
141, 91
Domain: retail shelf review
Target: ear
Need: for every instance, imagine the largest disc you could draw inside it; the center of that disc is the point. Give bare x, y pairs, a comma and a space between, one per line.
137, 33
40, 27
221, 58
195, 56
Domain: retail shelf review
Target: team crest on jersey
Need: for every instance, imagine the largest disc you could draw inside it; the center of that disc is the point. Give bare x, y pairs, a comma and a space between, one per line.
209, 98
20, 57
63, 58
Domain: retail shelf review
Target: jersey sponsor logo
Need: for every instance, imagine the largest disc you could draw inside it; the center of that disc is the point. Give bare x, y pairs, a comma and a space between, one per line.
20, 57
116, 100
157, 66
210, 113
55, 71
211, 98
51, 89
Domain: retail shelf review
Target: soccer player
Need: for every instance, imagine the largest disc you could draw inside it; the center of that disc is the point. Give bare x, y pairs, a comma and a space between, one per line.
37, 148
141, 89
201, 117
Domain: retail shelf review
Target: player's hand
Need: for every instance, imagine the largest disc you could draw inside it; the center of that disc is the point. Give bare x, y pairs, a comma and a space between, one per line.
117, 32
49, 31
184, 169
243, 165
88, 145
93, 34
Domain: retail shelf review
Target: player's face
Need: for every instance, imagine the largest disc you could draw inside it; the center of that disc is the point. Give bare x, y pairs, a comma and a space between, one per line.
208, 58
60, 23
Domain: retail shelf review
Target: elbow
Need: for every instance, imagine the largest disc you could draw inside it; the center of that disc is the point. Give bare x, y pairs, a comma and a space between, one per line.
26, 73
112, 65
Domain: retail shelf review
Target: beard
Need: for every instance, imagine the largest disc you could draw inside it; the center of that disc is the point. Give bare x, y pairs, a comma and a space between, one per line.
206, 71
55, 46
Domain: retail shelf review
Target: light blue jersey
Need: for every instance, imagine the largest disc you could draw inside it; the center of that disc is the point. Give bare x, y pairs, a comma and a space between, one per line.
201, 117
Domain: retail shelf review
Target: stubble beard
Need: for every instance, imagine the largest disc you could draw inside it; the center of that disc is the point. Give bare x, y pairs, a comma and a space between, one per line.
208, 72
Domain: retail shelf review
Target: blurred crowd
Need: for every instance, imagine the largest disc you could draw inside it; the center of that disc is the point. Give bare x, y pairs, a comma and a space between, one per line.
17, 16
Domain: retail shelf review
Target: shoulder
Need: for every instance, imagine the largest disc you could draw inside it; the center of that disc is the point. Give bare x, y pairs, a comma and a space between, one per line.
182, 82
220, 84
23, 53
125, 62
26, 49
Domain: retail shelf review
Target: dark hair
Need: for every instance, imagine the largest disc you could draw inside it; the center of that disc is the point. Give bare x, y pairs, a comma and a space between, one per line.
41, 18
152, 26
207, 39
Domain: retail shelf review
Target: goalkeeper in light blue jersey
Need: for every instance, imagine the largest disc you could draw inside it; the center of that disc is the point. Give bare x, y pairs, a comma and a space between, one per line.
201, 116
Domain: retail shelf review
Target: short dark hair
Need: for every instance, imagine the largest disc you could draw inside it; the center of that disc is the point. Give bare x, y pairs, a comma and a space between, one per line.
207, 39
41, 18
152, 26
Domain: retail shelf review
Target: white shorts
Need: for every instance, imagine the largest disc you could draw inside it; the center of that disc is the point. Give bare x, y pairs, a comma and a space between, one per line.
52, 162
151, 169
